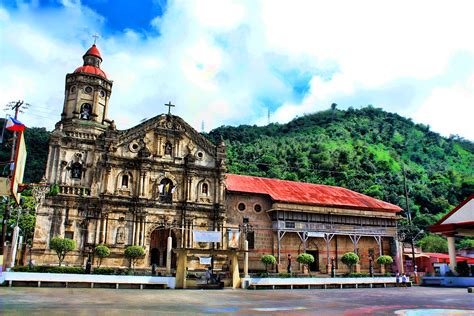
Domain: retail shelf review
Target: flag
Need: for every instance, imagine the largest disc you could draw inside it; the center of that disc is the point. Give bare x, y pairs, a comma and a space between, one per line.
14, 125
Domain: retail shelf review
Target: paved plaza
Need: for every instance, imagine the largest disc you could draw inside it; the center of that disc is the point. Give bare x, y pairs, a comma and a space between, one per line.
389, 301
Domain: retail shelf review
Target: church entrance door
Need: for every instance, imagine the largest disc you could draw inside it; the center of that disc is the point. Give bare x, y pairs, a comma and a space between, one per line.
158, 245
314, 267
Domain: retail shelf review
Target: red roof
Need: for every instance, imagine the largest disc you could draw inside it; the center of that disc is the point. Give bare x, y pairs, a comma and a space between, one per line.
446, 256
93, 51
439, 227
91, 70
306, 193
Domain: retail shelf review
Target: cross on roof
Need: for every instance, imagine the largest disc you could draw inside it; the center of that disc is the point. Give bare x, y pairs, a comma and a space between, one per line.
169, 105
95, 36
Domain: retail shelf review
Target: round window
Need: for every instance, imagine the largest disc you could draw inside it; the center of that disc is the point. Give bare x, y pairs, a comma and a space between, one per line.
257, 208
241, 207
102, 93
200, 155
73, 89
88, 89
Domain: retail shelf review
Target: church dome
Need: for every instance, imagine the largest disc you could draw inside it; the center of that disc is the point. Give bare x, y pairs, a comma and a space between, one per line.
93, 51
91, 70
92, 61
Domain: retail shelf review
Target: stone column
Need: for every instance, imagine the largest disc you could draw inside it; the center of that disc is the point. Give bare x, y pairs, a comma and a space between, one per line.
181, 270
452, 254
234, 269
168, 255
246, 259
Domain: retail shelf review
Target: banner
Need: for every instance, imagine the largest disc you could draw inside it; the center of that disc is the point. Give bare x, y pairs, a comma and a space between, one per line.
315, 234
234, 237
206, 236
20, 161
205, 260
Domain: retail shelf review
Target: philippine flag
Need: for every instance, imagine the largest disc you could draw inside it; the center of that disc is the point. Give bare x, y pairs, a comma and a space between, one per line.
14, 125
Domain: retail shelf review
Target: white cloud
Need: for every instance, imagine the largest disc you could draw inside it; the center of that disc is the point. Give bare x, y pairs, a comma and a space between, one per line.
222, 61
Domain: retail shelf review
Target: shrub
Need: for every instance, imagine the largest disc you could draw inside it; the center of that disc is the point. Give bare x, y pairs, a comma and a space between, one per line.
101, 251
284, 275
106, 271
305, 259
462, 268
62, 246
267, 259
356, 275
134, 253
350, 259
384, 260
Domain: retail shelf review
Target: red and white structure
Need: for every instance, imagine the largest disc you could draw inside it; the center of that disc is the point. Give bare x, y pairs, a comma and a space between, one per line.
458, 222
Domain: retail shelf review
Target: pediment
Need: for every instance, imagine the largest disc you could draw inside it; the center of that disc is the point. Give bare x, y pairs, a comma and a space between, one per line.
152, 133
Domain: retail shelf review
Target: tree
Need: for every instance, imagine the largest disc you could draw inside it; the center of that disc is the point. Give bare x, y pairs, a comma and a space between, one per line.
350, 259
433, 243
305, 259
466, 243
384, 260
62, 246
333, 106
101, 251
268, 260
134, 253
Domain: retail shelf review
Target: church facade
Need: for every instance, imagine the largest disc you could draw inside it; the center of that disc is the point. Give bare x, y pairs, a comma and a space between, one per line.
163, 179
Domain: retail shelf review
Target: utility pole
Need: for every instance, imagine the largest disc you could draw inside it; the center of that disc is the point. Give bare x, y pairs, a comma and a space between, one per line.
409, 218
18, 107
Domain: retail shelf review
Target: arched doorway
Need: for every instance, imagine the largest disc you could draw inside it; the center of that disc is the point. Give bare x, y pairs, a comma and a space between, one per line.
158, 245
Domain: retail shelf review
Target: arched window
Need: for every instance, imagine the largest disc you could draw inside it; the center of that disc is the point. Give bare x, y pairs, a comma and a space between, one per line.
205, 189
166, 189
125, 181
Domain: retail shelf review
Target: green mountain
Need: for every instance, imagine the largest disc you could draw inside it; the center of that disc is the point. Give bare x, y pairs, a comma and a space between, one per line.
363, 150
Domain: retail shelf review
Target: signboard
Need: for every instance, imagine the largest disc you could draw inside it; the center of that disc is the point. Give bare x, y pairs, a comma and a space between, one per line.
234, 238
206, 236
19, 166
315, 234
5, 186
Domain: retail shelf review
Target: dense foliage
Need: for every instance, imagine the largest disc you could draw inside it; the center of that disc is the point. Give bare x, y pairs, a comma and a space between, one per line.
305, 259
434, 243
101, 251
62, 246
134, 253
364, 150
268, 260
350, 259
383, 260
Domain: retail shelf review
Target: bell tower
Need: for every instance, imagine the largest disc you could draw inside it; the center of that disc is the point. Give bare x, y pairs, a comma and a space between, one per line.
87, 95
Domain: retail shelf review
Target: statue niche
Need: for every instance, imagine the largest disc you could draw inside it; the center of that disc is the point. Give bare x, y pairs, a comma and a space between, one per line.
120, 236
86, 110
166, 190
76, 170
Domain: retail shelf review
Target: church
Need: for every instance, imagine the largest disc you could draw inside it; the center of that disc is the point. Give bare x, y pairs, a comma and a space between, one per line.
163, 186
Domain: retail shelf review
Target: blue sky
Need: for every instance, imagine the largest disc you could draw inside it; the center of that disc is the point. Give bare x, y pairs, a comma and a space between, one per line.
229, 62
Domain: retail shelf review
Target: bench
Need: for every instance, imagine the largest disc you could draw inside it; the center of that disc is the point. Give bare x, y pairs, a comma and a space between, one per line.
87, 280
